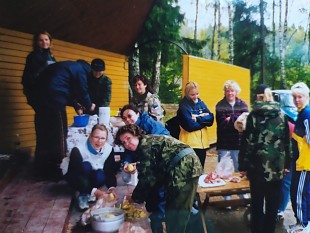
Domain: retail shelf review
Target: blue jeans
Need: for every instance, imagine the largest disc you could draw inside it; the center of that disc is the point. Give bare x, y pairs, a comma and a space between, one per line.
233, 154
285, 192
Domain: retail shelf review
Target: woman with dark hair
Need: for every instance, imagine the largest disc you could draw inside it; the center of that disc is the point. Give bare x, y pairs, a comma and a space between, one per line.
163, 162
131, 115
145, 99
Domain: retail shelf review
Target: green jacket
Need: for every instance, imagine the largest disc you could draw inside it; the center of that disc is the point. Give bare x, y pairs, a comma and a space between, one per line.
100, 91
154, 154
265, 149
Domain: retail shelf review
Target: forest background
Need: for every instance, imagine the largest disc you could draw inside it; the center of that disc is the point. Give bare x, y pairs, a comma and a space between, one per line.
271, 38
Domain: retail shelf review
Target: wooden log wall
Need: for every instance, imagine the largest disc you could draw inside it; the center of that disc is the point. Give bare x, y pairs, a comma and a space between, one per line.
16, 116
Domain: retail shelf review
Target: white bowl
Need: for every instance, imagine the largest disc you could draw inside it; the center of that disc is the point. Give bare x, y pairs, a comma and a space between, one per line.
100, 223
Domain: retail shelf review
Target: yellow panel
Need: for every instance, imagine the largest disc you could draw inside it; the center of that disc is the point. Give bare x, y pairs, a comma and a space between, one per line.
211, 76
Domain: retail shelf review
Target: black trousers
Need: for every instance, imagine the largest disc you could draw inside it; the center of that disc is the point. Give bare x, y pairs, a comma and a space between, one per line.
267, 193
51, 146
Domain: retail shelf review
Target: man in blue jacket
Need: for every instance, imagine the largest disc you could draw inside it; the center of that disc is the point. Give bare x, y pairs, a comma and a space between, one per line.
59, 85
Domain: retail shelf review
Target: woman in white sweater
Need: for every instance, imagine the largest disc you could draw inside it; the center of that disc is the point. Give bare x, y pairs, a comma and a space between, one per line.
91, 166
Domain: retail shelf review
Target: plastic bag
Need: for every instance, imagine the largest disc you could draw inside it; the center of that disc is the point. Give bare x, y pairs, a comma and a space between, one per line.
225, 168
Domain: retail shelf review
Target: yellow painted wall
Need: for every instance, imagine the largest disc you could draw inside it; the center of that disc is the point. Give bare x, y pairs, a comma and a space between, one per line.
211, 76
16, 116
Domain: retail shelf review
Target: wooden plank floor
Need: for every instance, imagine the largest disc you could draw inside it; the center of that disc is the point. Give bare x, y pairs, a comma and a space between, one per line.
33, 206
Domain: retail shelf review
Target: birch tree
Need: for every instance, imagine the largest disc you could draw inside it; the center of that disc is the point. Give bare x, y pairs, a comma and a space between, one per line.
230, 32
262, 39
219, 30
283, 51
196, 19
214, 30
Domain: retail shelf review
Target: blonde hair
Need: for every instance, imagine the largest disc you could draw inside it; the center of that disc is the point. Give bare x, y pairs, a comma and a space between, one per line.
266, 97
190, 86
300, 88
231, 84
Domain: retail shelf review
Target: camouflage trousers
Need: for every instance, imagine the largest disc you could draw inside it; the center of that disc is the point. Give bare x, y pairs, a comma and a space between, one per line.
178, 207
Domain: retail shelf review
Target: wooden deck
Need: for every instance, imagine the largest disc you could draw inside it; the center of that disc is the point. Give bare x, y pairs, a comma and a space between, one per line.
33, 206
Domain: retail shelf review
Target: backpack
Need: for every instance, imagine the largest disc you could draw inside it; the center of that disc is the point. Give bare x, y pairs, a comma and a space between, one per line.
173, 126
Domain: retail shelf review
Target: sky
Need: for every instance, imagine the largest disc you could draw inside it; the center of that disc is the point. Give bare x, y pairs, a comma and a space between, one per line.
206, 17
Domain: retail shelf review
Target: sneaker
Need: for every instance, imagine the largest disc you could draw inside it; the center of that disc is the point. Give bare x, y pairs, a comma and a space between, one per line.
91, 198
298, 228
194, 210
280, 216
83, 202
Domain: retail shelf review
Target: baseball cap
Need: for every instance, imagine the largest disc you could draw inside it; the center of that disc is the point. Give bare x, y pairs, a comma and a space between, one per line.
260, 89
98, 64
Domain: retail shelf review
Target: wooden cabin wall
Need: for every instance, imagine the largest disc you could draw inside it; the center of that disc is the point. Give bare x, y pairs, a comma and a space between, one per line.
17, 117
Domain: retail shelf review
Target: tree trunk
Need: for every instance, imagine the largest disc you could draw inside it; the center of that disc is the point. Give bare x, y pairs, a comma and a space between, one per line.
134, 68
219, 31
309, 36
273, 29
262, 38
214, 30
280, 39
156, 73
284, 47
231, 33
196, 20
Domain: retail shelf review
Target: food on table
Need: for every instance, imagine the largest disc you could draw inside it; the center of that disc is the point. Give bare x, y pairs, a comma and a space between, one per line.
212, 178
108, 216
235, 179
133, 212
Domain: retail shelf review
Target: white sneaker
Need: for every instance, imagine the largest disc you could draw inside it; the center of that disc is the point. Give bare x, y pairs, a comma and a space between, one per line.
91, 198
298, 228
83, 202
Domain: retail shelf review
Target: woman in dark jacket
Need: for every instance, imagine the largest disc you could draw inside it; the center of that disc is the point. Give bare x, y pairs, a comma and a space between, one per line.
36, 62
227, 111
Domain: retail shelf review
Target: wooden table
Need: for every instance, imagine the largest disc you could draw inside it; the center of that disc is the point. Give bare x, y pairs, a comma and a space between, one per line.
228, 189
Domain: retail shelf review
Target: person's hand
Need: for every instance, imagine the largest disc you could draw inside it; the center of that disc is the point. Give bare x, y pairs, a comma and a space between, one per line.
130, 168
79, 111
92, 108
111, 194
286, 171
99, 193
242, 173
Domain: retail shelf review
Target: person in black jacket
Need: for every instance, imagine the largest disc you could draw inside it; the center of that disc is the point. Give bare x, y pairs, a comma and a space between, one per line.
59, 85
36, 62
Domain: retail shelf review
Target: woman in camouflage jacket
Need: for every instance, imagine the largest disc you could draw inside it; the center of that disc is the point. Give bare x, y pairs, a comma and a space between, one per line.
164, 161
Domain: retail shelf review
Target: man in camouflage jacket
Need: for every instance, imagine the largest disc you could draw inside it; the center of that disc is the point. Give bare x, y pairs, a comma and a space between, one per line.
157, 167
264, 155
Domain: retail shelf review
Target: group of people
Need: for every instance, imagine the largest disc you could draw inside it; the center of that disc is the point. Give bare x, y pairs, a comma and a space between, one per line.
49, 87
168, 168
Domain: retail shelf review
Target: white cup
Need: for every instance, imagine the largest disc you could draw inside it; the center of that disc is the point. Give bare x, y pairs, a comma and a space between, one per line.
104, 115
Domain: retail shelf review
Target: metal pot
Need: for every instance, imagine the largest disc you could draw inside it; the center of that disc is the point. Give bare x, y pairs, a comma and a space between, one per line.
106, 219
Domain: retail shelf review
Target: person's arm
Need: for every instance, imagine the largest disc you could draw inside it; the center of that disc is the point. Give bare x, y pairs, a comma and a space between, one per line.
186, 120
154, 107
206, 118
246, 145
106, 94
110, 169
146, 176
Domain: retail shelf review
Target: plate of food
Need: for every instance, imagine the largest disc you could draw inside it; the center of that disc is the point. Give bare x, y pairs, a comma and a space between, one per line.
210, 180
